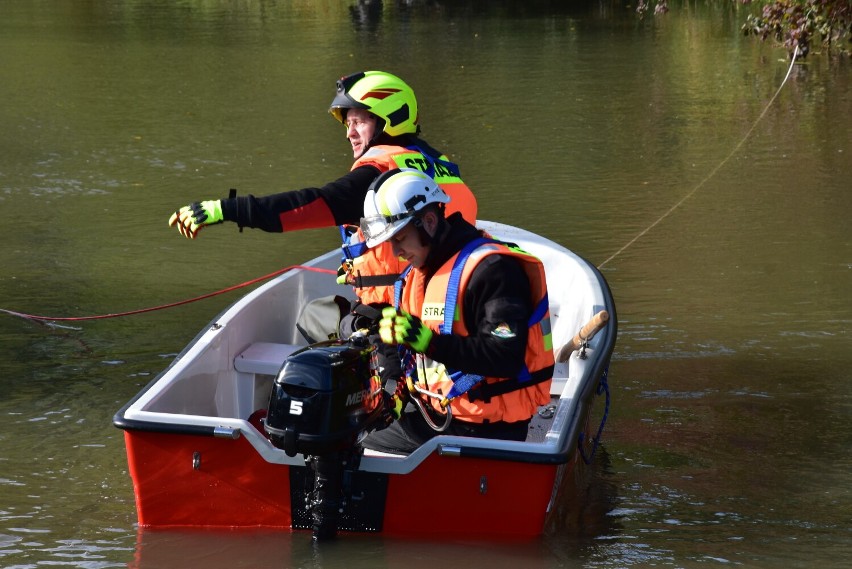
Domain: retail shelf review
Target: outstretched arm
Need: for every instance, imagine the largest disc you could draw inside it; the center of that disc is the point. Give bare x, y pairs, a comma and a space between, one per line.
336, 203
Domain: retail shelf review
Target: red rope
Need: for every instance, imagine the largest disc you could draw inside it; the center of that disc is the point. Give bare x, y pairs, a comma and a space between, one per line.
173, 304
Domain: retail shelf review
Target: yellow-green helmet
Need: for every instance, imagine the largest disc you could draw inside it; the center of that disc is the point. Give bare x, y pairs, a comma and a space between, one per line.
385, 95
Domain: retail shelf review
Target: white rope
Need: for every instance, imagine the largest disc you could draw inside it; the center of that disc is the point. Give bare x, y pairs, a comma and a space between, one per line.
713, 172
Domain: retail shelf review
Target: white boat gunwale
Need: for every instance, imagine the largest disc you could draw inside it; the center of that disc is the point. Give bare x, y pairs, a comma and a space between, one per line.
558, 447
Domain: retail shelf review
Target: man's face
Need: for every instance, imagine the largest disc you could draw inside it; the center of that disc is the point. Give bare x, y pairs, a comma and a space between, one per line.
407, 246
360, 128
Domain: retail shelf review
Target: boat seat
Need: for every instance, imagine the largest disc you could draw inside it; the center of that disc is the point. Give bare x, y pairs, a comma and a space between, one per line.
264, 357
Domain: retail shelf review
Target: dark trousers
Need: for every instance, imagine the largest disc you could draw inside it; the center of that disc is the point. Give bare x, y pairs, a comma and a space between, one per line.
411, 431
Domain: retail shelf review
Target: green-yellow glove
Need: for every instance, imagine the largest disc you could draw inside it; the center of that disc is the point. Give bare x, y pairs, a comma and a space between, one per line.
191, 218
393, 404
343, 273
403, 328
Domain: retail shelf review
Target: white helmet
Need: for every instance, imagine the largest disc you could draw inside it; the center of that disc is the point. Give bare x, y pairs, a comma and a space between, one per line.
400, 195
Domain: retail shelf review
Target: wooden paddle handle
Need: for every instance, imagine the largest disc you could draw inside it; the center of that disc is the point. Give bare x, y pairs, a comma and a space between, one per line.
591, 328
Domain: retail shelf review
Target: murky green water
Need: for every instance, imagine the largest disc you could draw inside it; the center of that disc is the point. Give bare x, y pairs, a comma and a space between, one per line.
728, 440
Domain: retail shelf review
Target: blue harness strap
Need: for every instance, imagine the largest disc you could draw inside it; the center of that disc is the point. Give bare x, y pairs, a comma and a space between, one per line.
353, 251
452, 168
397, 287
451, 300
466, 382
462, 382
350, 250
539, 312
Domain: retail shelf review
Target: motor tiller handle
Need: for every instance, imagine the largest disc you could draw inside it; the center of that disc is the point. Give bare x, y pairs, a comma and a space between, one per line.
586, 333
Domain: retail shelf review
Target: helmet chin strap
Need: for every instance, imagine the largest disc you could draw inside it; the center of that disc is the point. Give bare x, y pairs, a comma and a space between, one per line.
378, 135
425, 238
431, 240
380, 130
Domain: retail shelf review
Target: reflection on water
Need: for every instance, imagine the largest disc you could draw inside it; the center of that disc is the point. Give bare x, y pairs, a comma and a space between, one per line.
712, 451
728, 436
366, 14
585, 512
228, 550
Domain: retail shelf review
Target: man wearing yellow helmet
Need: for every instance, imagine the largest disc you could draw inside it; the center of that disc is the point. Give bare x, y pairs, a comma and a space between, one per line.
380, 113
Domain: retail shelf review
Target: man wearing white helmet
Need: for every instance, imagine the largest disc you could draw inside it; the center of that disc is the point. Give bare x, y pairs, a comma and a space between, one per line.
470, 317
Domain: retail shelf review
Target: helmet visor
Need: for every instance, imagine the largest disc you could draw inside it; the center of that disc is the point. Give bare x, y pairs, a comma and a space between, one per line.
380, 228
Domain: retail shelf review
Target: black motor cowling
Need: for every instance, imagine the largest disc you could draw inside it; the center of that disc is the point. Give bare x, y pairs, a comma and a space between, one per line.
324, 398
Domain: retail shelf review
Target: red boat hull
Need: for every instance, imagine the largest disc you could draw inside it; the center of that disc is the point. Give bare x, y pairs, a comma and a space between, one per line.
197, 481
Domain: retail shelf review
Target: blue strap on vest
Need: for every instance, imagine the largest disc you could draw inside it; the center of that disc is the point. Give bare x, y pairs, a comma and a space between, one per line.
354, 250
397, 287
452, 168
464, 382
351, 250
452, 297
537, 316
539, 312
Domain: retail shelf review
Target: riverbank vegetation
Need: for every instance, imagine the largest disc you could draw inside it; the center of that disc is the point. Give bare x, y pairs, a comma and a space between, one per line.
799, 25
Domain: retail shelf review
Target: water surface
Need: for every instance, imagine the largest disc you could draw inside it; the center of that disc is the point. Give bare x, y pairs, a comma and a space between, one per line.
728, 439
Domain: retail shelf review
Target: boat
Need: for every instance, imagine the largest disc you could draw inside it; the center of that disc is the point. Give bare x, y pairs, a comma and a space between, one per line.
201, 454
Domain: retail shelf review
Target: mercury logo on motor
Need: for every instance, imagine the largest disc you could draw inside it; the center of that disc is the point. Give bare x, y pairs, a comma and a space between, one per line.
357, 397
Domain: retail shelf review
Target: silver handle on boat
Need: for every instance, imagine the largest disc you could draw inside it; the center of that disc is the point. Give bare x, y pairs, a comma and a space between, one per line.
226, 432
447, 450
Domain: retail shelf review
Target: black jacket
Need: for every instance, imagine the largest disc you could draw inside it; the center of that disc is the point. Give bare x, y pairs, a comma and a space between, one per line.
497, 295
343, 197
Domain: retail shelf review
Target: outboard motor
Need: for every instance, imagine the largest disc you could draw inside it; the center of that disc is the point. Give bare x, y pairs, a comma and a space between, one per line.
325, 399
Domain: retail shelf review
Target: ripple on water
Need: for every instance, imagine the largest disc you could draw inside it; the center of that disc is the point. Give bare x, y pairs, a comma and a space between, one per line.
6, 540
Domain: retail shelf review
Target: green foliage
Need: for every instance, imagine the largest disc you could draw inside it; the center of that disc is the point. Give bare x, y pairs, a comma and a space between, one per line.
660, 7
798, 24
803, 23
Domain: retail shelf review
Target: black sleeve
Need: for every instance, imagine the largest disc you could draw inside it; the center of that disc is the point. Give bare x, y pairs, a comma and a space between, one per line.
343, 197
496, 311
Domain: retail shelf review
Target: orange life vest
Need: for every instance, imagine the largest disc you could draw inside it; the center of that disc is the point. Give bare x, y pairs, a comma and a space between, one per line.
372, 271
491, 398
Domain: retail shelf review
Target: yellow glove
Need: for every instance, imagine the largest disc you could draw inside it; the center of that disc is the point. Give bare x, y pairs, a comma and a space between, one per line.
393, 404
343, 272
191, 218
403, 328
